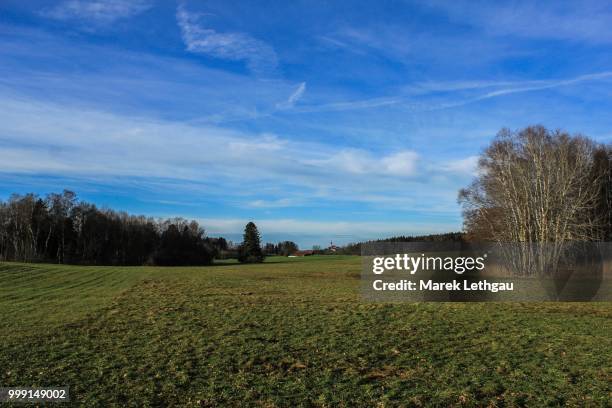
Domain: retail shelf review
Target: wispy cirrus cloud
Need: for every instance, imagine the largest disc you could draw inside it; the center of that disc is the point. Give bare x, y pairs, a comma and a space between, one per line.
458, 93
585, 20
259, 57
354, 104
294, 97
527, 86
279, 203
97, 11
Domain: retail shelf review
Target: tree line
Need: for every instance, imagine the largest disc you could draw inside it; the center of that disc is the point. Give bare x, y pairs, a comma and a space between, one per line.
284, 248
59, 228
354, 248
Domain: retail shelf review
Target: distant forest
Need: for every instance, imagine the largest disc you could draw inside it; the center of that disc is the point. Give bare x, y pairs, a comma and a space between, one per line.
355, 248
61, 229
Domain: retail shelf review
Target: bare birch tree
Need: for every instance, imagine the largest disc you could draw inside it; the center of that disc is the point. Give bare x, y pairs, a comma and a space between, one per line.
536, 189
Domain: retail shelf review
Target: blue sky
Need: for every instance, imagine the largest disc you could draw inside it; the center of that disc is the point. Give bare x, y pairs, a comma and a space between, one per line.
319, 121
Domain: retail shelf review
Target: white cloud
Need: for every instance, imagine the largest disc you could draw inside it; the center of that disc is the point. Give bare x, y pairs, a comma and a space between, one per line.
468, 165
401, 164
234, 46
102, 11
348, 161
280, 203
356, 161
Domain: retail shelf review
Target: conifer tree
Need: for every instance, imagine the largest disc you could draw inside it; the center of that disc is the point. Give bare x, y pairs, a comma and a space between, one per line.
250, 250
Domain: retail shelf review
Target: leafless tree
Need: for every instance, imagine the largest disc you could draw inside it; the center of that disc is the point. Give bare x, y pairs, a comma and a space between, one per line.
538, 190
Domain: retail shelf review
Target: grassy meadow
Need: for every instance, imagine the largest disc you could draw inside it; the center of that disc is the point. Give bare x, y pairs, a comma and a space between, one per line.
289, 332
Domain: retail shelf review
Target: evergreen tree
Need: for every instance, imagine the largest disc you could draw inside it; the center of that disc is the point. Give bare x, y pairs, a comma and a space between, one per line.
250, 250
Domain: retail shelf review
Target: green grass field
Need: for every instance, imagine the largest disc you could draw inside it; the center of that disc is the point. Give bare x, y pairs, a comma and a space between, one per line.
290, 332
